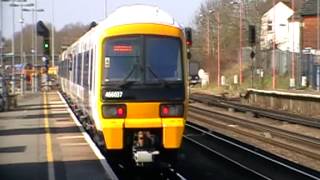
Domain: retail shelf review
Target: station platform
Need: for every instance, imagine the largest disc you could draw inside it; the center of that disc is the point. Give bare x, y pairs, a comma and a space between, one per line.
41, 139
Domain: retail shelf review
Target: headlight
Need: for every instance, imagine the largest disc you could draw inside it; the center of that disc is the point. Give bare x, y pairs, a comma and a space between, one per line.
171, 110
114, 111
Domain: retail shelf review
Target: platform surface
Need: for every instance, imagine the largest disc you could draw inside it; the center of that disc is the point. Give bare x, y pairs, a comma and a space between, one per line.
40, 140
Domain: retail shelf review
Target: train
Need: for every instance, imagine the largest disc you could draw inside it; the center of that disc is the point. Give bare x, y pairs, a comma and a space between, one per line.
127, 80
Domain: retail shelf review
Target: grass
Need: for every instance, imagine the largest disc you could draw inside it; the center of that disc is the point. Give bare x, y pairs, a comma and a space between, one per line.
282, 82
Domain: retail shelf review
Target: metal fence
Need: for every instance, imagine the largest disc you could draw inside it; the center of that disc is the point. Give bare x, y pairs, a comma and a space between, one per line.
306, 66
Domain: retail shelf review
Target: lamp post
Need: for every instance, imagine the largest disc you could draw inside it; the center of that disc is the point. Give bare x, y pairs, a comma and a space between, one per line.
292, 82
33, 44
274, 47
33, 11
21, 5
210, 11
52, 34
1, 29
105, 8
318, 24
240, 3
13, 47
216, 15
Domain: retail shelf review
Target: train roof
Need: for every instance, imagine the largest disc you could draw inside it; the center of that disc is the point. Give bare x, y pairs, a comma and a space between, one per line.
131, 14
139, 13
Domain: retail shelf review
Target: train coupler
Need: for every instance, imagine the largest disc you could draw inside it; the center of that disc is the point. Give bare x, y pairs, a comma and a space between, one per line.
144, 147
141, 157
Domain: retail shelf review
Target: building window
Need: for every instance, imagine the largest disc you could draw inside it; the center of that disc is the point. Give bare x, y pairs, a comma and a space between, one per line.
269, 25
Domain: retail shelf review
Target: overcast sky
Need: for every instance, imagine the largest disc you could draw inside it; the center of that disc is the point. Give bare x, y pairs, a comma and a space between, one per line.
86, 11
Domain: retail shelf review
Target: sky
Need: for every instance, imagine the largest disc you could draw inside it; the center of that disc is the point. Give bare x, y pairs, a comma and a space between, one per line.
86, 11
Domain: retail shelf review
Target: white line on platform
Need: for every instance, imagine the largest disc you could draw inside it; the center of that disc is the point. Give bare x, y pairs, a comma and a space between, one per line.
70, 137
74, 144
95, 149
58, 112
56, 102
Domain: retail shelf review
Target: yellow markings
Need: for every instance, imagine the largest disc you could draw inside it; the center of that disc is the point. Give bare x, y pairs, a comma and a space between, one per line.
154, 29
51, 175
143, 110
47, 130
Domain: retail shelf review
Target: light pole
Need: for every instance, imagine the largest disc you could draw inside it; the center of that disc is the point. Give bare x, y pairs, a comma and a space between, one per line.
1, 29
318, 24
21, 5
274, 46
52, 34
207, 38
292, 82
218, 22
240, 3
33, 50
105, 8
13, 46
33, 11
217, 17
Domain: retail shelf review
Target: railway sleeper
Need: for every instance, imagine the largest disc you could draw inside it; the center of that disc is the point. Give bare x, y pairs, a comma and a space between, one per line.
97, 137
78, 113
251, 114
83, 118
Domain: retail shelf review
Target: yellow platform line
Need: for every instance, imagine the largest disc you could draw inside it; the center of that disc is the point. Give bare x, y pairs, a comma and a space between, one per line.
51, 174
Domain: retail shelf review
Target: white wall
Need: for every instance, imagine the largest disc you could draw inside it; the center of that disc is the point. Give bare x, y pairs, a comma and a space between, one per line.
293, 44
285, 33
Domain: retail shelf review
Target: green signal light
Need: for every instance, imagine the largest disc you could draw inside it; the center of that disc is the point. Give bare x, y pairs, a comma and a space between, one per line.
46, 45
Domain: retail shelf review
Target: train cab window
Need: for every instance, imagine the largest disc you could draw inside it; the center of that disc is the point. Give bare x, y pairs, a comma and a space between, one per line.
122, 60
163, 59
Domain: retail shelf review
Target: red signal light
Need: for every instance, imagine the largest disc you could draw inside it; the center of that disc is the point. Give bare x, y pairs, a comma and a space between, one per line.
120, 112
171, 110
114, 111
165, 110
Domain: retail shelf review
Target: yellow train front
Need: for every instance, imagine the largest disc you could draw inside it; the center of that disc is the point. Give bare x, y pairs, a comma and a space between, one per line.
136, 95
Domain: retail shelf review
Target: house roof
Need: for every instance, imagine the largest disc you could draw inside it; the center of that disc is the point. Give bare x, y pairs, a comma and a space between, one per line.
309, 8
296, 17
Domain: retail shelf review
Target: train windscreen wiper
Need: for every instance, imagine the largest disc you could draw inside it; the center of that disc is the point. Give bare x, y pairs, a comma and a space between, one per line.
124, 83
163, 82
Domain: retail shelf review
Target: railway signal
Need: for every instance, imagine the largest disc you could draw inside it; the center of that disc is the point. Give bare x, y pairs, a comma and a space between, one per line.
46, 46
252, 35
188, 33
43, 31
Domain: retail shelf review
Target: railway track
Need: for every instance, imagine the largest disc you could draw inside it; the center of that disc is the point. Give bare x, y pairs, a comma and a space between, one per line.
260, 163
273, 114
223, 120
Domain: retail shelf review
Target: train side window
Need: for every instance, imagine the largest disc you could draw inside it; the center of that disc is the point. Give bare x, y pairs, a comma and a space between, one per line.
91, 69
85, 69
74, 69
79, 65
67, 68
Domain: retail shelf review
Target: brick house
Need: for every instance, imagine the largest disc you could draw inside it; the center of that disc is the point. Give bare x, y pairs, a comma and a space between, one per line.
310, 26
